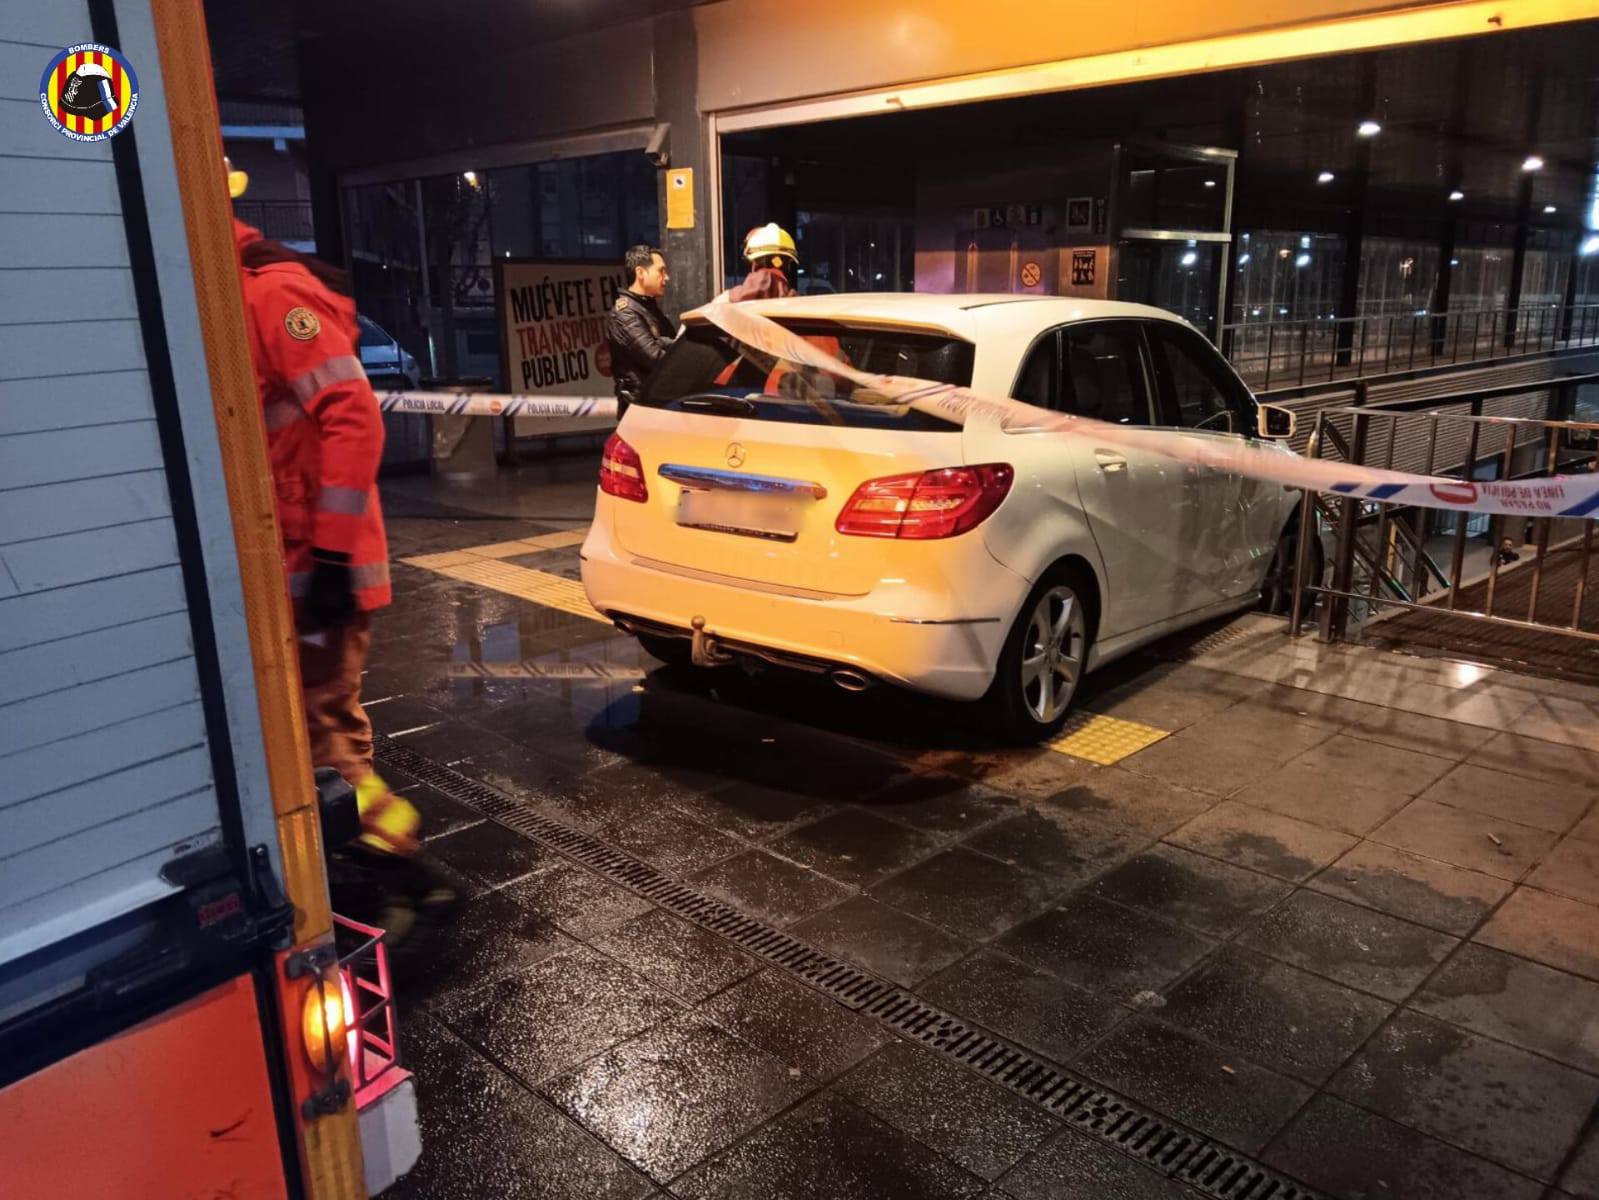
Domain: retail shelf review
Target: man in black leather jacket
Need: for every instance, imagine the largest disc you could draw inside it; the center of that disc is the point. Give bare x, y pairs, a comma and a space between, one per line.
636, 328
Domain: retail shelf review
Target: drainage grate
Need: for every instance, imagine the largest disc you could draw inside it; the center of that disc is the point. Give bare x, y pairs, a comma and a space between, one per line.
1199, 1163
839, 980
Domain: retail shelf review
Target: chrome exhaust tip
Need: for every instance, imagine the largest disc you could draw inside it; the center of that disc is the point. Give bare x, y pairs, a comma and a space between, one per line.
851, 680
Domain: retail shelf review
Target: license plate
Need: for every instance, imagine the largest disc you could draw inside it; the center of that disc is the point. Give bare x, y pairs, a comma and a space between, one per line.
744, 513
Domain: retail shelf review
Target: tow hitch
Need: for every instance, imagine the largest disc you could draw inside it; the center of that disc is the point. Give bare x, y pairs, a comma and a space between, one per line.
706, 653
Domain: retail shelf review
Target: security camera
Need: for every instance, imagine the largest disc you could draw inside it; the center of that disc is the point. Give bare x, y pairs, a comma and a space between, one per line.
656, 151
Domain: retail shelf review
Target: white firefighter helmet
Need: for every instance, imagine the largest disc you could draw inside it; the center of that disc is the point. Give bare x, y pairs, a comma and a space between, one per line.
767, 245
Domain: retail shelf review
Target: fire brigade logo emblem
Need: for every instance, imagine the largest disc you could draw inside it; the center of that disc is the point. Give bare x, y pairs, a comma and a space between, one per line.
89, 92
302, 324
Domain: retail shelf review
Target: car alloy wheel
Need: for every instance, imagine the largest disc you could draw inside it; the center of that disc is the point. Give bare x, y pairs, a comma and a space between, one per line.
1053, 646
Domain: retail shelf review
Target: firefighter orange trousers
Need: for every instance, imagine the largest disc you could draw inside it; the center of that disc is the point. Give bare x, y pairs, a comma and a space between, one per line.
331, 662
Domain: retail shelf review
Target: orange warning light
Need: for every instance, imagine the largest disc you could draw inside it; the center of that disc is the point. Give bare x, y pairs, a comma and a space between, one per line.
325, 1021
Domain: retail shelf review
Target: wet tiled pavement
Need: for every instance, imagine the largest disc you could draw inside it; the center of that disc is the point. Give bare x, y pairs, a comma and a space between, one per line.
1343, 919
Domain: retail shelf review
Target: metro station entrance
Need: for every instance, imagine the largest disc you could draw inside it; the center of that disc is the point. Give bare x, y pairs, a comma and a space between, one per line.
1310, 194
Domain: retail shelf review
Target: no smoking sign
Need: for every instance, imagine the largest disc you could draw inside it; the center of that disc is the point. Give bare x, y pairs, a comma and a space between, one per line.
1031, 274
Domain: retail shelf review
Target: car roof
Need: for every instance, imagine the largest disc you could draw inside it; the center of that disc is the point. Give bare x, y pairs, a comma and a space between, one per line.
995, 314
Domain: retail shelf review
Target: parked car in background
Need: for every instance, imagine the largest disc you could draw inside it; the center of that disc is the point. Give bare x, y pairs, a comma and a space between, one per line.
743, 515
384, 359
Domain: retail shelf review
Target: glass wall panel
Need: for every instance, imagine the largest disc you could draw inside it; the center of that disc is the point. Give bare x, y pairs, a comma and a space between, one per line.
1286, 276
593, 207
1398, 277
855, 252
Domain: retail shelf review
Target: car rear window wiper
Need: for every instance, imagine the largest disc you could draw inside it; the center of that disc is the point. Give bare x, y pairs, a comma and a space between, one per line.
719, 402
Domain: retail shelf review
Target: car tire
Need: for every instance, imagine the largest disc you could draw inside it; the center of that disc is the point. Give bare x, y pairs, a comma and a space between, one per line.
677, 652
1047, 647
1277, 588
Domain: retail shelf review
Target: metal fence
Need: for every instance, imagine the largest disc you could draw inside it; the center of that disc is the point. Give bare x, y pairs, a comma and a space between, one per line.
1295, 353
281, 220
1385, 566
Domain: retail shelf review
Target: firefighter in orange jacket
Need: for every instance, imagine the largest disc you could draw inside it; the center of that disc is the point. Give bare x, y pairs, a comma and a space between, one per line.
774, 262
325, 440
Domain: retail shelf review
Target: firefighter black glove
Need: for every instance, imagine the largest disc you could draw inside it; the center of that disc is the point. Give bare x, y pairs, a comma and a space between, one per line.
330, 602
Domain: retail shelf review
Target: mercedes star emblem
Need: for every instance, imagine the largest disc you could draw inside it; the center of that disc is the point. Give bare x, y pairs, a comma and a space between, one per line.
735, 455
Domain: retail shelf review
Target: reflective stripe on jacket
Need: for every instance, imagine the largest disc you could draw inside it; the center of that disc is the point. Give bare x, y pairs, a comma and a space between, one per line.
324, 430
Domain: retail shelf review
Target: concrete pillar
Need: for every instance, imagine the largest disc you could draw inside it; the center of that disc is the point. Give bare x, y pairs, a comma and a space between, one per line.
1349, 284
1518, 262
688, 251
1355, 223
1440, 299
1465, 74
327, 214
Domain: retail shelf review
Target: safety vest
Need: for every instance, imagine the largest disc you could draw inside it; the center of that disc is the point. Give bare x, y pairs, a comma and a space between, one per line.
324, 429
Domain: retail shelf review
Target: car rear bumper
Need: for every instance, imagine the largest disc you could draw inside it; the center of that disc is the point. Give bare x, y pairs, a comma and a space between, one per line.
943, 642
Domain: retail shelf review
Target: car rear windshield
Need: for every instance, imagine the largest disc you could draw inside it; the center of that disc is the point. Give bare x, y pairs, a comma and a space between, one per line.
371, 335
707, 371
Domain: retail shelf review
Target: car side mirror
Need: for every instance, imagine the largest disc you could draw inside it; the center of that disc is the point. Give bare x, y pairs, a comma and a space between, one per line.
1276, 424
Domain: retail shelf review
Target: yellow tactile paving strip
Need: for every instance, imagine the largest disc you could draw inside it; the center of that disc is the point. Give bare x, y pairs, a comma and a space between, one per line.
482, 565
538, 586
1104, 740
532, 545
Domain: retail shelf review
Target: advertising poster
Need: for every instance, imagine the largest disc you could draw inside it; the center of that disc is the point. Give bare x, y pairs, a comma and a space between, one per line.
552, 335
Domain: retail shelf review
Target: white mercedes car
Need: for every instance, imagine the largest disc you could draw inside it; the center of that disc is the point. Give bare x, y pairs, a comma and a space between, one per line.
748, 513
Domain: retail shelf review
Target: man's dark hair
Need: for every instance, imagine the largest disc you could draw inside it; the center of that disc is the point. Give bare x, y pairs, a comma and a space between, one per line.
638, 258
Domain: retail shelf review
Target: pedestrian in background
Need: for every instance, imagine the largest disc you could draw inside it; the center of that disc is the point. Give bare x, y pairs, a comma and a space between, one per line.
636, 328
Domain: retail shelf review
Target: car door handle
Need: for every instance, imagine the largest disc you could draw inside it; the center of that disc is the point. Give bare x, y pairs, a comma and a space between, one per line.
1109, 460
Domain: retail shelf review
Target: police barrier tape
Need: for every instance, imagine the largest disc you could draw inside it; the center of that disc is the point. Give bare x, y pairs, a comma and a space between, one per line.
1559, 495
488, 404
527, 669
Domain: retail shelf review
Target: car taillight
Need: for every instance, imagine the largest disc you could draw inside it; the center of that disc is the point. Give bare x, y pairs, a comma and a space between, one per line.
622, 471
932, 504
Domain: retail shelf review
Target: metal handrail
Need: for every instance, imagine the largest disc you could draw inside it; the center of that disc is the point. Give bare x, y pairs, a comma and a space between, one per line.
278, 218
1325, 349
1352, 513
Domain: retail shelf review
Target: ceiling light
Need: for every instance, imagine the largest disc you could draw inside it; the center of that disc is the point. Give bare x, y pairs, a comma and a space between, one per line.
1210, 183
1591, 246
1302, 261
1325, 177
1549, 208
1244, 257
1532, 163
1457, 195
1189, 258
1368, 129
